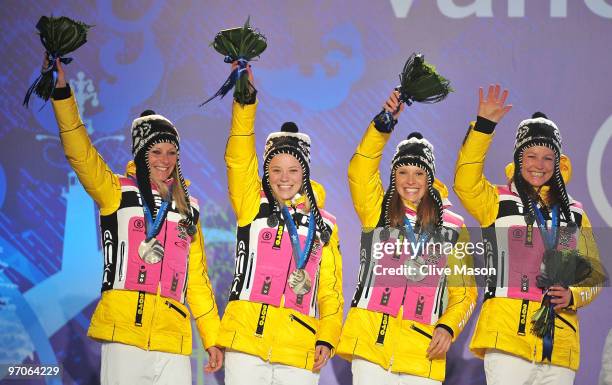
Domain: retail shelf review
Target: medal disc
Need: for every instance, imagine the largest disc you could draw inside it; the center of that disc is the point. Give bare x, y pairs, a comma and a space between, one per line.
413, 272
325, 237
151, 251
190, 228
385, 234
272, 221
299, 281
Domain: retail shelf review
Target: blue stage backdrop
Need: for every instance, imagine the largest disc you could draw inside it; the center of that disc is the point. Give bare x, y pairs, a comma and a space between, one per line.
328, 67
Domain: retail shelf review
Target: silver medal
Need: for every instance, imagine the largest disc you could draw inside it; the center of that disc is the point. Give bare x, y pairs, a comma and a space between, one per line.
272, 221
413, 271
151, 251
299, 281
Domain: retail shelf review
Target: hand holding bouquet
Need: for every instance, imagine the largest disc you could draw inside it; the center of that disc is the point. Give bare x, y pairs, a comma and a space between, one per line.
59, 36
560, 268
239, 45
419, 82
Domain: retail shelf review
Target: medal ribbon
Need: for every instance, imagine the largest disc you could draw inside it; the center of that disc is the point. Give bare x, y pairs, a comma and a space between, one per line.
153, 227
549, 237
299, 255
423, 238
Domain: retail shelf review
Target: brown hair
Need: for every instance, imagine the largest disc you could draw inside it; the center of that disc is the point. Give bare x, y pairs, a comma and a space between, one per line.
553, 195
426, 211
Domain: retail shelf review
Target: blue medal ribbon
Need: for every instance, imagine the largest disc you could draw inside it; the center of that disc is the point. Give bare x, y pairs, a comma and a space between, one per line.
423, 238
549, 237
299, 255
153, 227
549, 335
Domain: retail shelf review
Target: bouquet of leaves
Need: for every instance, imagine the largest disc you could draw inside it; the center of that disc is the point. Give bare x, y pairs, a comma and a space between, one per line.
419, 82
59, 36
561, 268
240, 45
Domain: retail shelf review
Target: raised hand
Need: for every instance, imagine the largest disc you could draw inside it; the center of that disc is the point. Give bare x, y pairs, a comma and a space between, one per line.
493, 107
393, 105
61, 76
247, 69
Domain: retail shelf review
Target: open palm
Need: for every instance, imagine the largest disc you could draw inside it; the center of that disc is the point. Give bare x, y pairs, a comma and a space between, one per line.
493, 107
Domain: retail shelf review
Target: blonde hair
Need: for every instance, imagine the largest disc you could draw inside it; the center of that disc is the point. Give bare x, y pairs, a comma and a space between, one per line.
178, 194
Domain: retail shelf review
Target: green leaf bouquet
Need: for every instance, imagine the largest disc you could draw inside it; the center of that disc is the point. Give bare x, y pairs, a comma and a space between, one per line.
59, 36
239, 45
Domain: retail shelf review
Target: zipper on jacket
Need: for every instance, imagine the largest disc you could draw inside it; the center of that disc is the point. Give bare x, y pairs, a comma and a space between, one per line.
250, 269
367, 292
157, 297
121, 255
502, 265
567, 323
178, 309
439, 308
304, 324
420, 331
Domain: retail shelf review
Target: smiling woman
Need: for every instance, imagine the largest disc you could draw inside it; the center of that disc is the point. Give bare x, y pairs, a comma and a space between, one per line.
285, 176
413, 291
533, 225
285, 306
538, 165
411, 183
162, 160
153, 251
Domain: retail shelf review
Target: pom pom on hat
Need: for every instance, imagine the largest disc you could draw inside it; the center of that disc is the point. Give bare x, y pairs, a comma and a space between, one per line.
289, 127
147, 113
415, 134
539, 114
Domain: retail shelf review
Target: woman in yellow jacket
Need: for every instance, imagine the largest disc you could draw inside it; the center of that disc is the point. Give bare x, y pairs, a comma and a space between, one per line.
154, 261
406, 310
520, 220
284, 314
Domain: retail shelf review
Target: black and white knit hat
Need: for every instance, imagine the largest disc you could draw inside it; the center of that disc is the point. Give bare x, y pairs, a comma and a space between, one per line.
414, 151
539, 131
290, 141
148, 130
